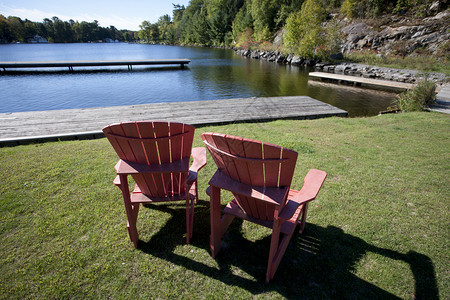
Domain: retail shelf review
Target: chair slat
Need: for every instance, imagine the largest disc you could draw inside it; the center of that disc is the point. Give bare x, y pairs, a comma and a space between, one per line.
215, 156
188, 139
162, 130
145, 181
147, 132
271, 171
258, 208
287, 170
176, 144
127, 152
228, 162
176, 152
244, 203
131, 130
253, 149
132, 150
236, 147
115, 144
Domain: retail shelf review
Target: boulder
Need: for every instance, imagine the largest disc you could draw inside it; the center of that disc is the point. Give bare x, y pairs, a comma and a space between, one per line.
254, 55
296, 61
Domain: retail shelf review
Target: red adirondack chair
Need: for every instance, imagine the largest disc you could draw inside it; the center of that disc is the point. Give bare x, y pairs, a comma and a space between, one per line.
156, 155
259, 176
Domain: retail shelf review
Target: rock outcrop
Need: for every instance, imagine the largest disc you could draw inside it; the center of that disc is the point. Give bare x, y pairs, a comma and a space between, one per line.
401, 37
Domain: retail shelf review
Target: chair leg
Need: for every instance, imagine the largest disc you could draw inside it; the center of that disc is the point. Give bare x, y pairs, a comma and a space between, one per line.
277, 250
225, 222
302, 220
216, 230
196, 191
131, 211
132, 226
273, 250
189, 217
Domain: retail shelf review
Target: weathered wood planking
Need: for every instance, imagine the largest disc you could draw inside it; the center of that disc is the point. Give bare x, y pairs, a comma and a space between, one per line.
26, 127
360, 80
91, 63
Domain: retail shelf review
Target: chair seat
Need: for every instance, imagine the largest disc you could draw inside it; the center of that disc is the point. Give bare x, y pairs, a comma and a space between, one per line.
287, 227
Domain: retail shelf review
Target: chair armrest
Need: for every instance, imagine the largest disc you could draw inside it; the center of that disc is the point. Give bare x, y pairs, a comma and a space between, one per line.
127, 167
270, 195
199, 159
312, 183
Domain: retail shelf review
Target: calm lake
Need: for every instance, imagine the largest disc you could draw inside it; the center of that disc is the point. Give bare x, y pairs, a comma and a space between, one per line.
212, 74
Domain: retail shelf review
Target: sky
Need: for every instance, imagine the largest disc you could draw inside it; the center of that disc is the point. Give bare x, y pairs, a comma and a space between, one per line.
127, 14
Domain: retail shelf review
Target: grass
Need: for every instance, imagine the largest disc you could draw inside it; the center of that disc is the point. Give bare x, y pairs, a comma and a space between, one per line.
379, 228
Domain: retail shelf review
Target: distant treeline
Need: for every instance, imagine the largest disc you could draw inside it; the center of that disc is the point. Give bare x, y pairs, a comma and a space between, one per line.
14, 29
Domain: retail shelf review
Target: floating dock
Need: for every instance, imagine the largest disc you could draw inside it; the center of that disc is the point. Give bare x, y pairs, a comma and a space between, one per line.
91, 63
394, 85
37, 126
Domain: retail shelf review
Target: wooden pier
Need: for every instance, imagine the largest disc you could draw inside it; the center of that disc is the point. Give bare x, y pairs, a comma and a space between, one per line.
393, 85
91, 63
29, 127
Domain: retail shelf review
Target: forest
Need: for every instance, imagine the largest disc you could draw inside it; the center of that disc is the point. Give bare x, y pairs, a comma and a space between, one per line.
14, 29
229, 23
255, 23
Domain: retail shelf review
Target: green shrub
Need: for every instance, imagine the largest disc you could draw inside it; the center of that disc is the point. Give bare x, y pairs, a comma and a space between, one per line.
417, 98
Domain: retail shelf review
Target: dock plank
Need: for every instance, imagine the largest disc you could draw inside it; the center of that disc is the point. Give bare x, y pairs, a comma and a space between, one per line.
361, 80
25, 127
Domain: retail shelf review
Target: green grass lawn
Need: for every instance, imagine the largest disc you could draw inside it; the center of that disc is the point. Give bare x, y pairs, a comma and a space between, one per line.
379, 228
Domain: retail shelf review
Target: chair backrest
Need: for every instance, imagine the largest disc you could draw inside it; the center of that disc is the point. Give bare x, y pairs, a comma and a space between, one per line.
154, 143
253, 163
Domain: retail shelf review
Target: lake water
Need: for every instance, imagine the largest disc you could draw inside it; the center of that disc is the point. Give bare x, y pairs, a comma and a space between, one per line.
212, 74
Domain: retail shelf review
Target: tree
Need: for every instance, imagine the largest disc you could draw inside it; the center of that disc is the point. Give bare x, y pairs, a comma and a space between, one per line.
264, 13
149, 32
242, 21
164, 24
5, 34
304, 33
144, 33
16, 29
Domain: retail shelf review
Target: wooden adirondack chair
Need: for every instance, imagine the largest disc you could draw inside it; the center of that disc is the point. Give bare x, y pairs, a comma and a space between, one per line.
156, 155
259, 176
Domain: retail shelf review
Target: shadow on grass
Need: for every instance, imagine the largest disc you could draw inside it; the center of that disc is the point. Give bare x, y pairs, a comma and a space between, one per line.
320, 263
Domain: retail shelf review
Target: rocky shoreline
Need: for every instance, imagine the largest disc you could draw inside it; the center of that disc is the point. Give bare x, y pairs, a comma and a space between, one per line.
351, 69
388, 35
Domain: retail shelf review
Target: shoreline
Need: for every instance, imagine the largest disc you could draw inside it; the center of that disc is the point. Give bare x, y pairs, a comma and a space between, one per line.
346, 68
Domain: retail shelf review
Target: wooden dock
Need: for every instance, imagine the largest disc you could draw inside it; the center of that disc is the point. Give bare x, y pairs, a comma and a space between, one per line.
393, 85
29, 127
91, 63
